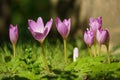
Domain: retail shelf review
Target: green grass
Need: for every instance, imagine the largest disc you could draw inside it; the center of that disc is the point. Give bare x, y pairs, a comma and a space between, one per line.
28, 63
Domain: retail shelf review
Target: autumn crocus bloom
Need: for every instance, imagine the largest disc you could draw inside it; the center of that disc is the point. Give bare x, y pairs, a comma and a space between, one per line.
89, 37
64, 30
39, 32
13, 34
75, 54
38, 29
102, 36
63, 27
95, 24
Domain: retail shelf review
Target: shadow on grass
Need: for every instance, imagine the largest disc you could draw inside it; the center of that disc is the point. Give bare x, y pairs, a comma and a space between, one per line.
14, 78
63, 75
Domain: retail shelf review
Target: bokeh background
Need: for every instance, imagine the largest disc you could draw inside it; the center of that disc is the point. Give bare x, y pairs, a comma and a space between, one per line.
19, 11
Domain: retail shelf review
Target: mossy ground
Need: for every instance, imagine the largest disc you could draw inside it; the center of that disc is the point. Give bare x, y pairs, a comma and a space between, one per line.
28, 63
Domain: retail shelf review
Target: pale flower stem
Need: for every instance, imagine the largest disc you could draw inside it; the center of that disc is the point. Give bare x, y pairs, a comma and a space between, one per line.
89, 49
108, 54
94, 50
14, 50
99, 50
65, 54
44, 58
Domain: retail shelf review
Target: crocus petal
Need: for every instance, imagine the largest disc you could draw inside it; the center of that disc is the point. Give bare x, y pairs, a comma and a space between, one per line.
91, 19
58, 21
95, 24
48, 26
13, 34
39, 36
89, 37
98, 36
40, 23
107, 36
34, 26
63, 27
75, 54
68, 24
102, 36
32, 32
99, 20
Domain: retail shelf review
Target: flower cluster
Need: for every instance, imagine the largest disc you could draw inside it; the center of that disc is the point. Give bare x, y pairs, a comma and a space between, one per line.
96, 34
39, 31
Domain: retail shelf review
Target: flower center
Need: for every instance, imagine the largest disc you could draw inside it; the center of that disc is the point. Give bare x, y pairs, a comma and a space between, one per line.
40, 30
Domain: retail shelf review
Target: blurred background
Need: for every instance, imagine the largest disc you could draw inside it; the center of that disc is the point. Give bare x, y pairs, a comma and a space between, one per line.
19, 11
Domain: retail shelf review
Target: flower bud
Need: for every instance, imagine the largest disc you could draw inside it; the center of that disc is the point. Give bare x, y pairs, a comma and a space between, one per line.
89, 37
95, 24
13, 34
102, 36
75, 54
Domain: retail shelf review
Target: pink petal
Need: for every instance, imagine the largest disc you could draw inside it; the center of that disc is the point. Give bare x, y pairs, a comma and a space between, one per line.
48, 26
40, 22
99, 19
89, 37
58, 21
68, 24
95, 24
39, 36
65, 21
62, 28
13, 34
91, 19
102, 36
34, 26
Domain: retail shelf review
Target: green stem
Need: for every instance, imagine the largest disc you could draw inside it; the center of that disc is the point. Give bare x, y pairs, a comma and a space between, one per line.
99, 49
108, 54
65, 54
89, 49
14, 49
94, 50
44, 57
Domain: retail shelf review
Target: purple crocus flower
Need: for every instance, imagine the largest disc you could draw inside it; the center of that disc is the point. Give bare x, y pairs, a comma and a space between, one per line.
95, 24
38, 30
13, 34
75, 54
63, 27
102, 36
89, 37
